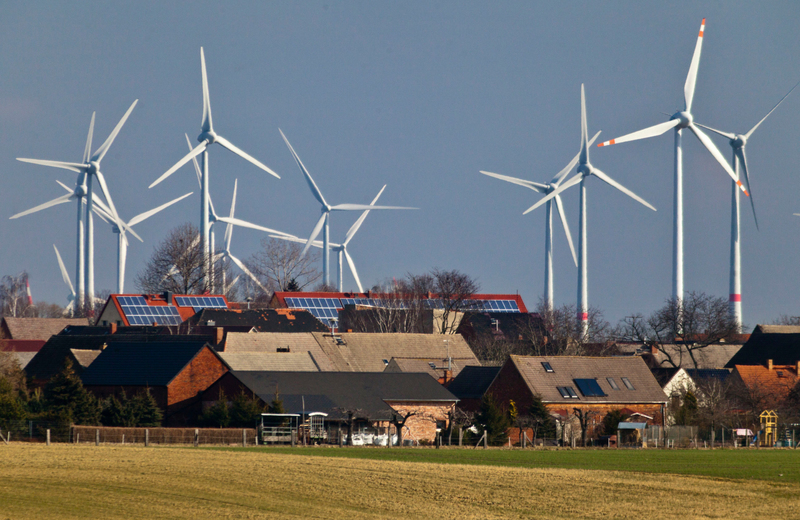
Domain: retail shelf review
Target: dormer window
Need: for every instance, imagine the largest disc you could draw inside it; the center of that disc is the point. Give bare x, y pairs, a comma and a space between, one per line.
628, 383
547, 367
567, 392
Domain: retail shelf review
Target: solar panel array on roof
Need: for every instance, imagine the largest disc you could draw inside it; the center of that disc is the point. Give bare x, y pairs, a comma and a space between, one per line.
324, 309
201, 302
138, 312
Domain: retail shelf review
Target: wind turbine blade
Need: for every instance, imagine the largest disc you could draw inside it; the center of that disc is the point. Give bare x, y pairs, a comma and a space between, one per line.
104, 187
229, 227
246, 271
720, 132
584, 132
353, 270
360, 220
101, 152
650, 131
743, 159
363, 207
228, 287
74, 167
711, 147
101, 212
292, 238
64, 273
207, 123
560, 207
87, 152
691, 78
535, 186
147, 214
60, 200
572, 182
311, 184
227, 144
195, 152
608, 180
748, 134
314, 233
196, 166
571, 165
67, 188
242, 223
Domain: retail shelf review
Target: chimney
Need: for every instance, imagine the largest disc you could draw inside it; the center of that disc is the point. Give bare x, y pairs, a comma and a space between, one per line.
113, 328
220, 335
769, 364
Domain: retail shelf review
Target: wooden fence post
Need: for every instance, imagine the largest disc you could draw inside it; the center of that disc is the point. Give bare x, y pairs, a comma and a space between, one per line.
123, 439
244, 438
48, 436
196, 437
97, 437
146, 437
460, 435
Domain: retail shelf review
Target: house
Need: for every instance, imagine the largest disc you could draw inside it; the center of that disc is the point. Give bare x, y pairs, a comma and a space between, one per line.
764, 387
439, 369
714, 356
25, 336
780, 343
704, 383
372, 398
470, 385
260, 320
269, 361
570, 385
168, 309
360, 352
326, 306
175, 373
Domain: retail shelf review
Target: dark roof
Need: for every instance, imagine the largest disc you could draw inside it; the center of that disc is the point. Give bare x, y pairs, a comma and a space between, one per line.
140, 364
704, 374
50, 358
472, 382
97, 330
780, 343
332, 392
664, 375
510, 325
264, 320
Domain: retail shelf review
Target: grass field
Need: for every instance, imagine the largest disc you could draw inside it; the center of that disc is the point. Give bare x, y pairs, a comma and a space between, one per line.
67, 481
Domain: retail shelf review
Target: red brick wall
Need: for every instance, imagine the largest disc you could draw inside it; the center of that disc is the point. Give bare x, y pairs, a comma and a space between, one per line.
229, 385
422, 426
198, 375
509, 385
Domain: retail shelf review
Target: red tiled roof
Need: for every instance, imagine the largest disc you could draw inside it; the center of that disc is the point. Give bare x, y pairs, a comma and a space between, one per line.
279, 298
776, 383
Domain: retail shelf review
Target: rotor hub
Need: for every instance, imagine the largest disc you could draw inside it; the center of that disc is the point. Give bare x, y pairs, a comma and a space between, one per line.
739, 141
93, 167
80, 190
209, 136
585, 169
685, 119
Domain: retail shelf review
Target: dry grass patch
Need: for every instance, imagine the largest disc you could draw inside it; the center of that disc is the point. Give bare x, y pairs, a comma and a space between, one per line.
65, 481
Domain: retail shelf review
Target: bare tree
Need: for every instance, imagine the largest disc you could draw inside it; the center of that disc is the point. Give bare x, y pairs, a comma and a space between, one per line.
178, 265
279, 266
584, 416
682, 328
455, 290
785, 319
14, 296
561, 333
401, 416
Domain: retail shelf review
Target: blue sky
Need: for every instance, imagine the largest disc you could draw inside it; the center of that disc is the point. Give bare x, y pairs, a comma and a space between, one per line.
419, 96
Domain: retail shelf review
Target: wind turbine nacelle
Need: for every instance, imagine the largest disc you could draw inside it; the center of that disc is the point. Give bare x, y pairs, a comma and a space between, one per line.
80, 190
684, 117
209, 136
739, 141
585, 169
93, 168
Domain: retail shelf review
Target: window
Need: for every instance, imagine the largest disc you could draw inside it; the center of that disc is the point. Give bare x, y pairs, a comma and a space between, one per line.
628, 384
612, 383
589, 387
567, 392
547, 367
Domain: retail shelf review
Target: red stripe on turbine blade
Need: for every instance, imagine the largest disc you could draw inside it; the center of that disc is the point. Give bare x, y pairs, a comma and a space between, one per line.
583, 316
700, 35
735, 297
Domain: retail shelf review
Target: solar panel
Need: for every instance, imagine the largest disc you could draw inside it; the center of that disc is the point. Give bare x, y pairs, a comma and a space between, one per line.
138, 312
589, 387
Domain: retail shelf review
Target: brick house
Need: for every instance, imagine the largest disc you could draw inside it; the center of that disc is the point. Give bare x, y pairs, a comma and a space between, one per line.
764, 387
593, 385
176, 374
373, 396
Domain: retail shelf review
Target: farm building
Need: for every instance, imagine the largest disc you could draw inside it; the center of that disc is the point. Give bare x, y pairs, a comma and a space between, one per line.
371, 398
175, 373
779, 343
470, 385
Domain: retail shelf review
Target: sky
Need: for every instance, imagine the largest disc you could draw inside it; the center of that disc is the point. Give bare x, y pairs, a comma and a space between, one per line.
419, 96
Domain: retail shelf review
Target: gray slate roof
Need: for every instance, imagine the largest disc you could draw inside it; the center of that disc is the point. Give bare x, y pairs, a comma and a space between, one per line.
473, 381
140, 364
567, 368
780, 343
332, 392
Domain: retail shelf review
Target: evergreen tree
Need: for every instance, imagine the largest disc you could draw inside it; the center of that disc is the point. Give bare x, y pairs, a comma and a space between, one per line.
217, 415
611, 421
687, 414
67, 400
545, 425
275, 406
492, 420
146, 410
293, 286
11, 406
245, 411
113, 412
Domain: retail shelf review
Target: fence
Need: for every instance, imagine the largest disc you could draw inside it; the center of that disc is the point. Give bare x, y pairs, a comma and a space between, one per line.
35, 431
148, 436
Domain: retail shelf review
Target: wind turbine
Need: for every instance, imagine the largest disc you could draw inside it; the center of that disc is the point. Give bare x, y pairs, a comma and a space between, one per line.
206, 138
679, 121
340, 249
585, 170
70, 308
325, 217
86, 170
738, 143
548, 230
